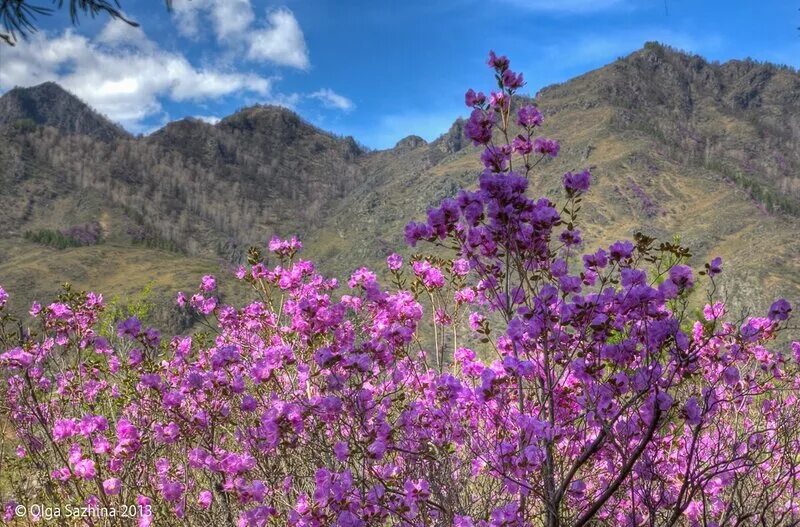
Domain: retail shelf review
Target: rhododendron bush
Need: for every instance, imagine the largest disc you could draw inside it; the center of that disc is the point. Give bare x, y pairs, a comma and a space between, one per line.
504, 379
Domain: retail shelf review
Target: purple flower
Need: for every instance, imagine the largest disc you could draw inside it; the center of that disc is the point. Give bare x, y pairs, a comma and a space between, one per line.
571, 238
577, 488
417, 231
208, 283
204, 499
285, 247
341, 451
3, 297
85, 469
90, 424
394, 262
461, 267
577, 182
496, 158
127, 434
130, 327
472, 99
64, 429
112, 486
544, 146
511, 80
16, 358
668, 289
152, 337
715, 267
172, 490
619, 251
249, 403
377, 449
478, 127
361, 277
681, 276
416, 490
692, 412
780, 310
522, 146
59, 310
498, 63
529, 116
633, 277
499, 101
731, 375
430, 275
597, 260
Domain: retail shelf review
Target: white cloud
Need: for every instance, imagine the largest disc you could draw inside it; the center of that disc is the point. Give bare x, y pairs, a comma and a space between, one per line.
210, 119
281, 42
228, 18
231, 17
331, 99
120, 73
116, 32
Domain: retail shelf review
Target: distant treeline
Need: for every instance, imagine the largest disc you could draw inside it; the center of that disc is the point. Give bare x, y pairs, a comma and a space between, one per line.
75, 236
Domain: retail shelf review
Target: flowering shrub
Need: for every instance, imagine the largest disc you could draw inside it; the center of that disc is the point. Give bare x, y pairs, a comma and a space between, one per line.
516, 383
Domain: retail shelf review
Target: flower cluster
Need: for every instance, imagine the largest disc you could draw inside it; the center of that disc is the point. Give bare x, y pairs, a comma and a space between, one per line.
514, 382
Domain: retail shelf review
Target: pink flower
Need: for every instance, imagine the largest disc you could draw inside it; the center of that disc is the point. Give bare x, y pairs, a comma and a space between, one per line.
112, 486
172, 490
431, 276
16, 358
85, 469
208, 283
204, 499
394, 262
64, 429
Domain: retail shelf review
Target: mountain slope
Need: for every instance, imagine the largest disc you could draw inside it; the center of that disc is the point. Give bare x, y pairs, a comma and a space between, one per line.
48, 104
677, 145
637, 123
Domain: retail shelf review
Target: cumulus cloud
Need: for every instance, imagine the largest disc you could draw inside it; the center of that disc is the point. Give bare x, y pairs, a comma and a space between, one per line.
228, 18
331, 99
279, 39
116, 32
282, 41
121, 73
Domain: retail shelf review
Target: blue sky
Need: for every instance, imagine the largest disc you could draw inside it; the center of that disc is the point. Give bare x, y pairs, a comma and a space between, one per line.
376, 70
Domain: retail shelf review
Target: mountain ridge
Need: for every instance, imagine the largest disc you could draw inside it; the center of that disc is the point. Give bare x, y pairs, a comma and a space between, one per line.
678, 146
62, 110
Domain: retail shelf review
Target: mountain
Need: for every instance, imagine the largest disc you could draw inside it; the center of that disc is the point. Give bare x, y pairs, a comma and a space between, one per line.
49, 104
677, 145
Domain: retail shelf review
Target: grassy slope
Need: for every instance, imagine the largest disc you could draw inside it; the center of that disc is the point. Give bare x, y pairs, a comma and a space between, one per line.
33, 272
